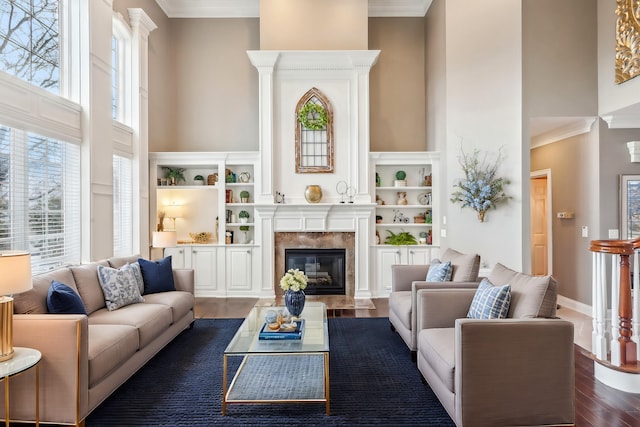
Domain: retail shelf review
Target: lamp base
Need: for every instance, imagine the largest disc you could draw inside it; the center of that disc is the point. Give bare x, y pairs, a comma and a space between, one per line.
6, 328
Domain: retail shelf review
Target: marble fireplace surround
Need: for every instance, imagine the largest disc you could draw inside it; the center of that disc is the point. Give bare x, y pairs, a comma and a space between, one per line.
317, 240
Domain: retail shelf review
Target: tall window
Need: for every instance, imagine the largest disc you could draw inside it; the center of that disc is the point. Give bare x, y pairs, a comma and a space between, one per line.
122, 206
29, 41
40, 198
121, 71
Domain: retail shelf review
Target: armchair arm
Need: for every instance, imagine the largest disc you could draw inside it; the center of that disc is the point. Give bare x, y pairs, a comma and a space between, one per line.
529, 364
439, 308
417, 286
402, 275
64, 368
183, 279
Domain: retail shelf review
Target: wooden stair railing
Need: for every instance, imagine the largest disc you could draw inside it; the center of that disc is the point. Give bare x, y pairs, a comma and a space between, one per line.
623, 348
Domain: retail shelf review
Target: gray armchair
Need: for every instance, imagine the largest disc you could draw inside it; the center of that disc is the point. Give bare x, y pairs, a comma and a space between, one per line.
406, 280
514, 371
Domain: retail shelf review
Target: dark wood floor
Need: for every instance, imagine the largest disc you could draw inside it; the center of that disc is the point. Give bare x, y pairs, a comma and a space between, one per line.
597, 405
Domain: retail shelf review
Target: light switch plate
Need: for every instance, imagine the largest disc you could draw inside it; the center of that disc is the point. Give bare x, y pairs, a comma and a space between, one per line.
585, 231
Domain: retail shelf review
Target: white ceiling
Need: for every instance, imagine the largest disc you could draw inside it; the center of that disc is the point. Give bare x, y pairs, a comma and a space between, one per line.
251, 8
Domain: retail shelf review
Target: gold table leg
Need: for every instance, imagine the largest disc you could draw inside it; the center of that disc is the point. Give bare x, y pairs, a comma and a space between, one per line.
326, 381
224, 386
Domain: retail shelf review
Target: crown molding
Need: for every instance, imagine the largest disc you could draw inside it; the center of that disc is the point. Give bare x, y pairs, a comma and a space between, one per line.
251, 8
573, 128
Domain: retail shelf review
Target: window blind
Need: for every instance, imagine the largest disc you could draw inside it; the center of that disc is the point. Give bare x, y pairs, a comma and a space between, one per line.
122, 206
40, 200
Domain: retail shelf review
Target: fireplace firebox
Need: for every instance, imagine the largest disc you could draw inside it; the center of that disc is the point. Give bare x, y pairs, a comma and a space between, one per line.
325, 269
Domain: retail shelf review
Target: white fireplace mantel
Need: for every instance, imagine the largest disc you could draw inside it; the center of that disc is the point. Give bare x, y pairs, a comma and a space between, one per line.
284, 77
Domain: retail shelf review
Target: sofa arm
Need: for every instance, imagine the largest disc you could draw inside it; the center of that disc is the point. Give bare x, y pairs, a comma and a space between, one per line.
417, 286
402, 275
64, 368
439, 308
183, 279
529, 364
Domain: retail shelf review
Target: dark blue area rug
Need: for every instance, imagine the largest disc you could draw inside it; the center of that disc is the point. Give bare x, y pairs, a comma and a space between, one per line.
372, 378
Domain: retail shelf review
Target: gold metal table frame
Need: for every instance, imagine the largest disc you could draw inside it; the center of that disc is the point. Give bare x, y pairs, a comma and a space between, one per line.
23, 359
314, 345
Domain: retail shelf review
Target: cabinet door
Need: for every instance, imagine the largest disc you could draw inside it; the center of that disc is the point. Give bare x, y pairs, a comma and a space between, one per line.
205, 269
385, 258
179, 258
418, 255
239, 262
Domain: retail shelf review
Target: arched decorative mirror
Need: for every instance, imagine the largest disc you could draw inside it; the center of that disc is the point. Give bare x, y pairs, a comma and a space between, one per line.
314, 133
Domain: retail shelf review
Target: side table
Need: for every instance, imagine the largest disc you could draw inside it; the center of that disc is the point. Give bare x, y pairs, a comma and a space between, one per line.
23, 359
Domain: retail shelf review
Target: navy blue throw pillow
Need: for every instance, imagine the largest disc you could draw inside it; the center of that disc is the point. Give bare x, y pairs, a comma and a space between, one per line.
61, 299
157, 275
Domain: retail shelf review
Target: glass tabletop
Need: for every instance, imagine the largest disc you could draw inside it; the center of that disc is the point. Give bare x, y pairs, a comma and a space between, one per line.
315, 337
23, 359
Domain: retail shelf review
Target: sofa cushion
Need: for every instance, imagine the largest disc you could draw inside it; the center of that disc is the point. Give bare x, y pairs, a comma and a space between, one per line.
531, 296
400, 304
119, 286
109, 347
34, 301
150, 320
490, 302
86, 278
117, 262
439, 271
465, 266
180, 302
61, 299
157, 275
436, 345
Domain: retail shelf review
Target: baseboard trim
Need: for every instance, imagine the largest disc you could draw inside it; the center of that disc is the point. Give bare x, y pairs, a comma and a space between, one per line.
575, 305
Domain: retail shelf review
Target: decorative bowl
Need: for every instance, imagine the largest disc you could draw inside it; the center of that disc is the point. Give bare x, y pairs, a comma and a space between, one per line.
201, 237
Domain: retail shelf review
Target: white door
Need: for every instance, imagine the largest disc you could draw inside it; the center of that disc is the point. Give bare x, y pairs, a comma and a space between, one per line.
385, 258
179, 257
203, 259
539, 226
239, 269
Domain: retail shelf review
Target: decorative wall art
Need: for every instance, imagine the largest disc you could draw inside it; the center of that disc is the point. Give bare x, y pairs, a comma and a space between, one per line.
314, 133
627, 40
629, 207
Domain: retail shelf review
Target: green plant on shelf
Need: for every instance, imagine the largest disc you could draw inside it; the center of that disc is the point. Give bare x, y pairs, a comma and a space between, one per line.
174, 175
243, 214
244, 228
401, 238
198, 178
401, 175
244, 194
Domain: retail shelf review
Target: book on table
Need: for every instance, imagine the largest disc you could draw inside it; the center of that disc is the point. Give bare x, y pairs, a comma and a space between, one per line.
283, 333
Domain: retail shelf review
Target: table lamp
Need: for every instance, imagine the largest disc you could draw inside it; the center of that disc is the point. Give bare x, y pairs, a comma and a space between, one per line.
173, 212
15, 277
164, 239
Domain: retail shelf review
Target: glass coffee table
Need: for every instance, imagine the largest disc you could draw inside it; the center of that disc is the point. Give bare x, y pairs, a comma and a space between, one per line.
282, 370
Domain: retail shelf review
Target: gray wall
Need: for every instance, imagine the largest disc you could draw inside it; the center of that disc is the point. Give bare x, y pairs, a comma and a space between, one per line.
560, 79
397, 85
434, 75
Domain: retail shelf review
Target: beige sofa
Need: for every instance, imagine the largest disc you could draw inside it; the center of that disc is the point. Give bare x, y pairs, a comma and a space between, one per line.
517, 371
407, 280
86, 358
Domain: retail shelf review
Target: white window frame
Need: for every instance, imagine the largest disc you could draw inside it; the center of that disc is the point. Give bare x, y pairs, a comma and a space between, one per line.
123, 35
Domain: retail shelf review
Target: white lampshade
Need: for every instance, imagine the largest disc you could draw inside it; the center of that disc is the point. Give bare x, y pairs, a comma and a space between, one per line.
15, 272
164, 239
173, 211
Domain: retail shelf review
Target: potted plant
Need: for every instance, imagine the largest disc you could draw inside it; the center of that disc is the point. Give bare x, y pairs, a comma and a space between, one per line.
244, 216
244, 196
401, 179
174, 175
402, 238
244, 234
199, 179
